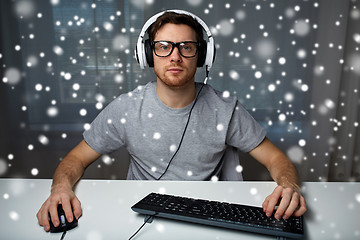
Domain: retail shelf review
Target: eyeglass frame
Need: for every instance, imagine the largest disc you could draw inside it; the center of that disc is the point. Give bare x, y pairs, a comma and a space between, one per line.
173, 44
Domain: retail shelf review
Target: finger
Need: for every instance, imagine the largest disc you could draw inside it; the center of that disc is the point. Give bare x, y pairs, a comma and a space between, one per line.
273, 200
76, 205
265, 204
39, 215
54, 214
68, 211
43, 216
294, 204
302, 209
284, 203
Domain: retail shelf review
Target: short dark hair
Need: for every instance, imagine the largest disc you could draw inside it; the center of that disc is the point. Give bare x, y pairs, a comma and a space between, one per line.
176, 18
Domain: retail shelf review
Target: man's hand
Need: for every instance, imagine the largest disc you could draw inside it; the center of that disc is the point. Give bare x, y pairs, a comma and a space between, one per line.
70, 204
67, 174
291, 202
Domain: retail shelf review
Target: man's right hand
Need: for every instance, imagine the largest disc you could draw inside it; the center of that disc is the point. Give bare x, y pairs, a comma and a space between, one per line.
69, 171
70, 204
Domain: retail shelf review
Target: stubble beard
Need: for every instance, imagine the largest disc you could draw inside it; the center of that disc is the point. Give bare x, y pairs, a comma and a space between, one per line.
176, 82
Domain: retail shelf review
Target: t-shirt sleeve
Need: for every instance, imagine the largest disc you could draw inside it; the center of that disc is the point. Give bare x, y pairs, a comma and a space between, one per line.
244, 132
105, 132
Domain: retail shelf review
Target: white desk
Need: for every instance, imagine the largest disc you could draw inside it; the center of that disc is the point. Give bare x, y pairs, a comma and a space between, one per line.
334, 209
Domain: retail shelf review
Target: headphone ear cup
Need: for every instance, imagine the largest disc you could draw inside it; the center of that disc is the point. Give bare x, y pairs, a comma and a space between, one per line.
202, 53
149, 53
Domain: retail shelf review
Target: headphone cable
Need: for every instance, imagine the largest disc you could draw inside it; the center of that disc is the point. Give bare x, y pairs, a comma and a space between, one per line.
183, 134
150, 218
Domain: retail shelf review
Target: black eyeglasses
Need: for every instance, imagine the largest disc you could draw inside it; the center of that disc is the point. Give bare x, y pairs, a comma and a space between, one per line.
187, 49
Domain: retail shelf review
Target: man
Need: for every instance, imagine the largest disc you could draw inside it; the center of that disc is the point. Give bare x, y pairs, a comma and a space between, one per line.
149, 121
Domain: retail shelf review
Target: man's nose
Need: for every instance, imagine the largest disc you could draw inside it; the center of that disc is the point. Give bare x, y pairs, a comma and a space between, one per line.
175, 55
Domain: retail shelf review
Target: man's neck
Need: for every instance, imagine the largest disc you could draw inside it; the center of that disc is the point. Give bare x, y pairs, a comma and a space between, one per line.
176, 97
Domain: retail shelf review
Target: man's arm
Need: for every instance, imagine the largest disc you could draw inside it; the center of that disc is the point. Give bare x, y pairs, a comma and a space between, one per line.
69, 171
287, 193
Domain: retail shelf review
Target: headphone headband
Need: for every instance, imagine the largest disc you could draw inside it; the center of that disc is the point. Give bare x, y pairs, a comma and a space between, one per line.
140, 51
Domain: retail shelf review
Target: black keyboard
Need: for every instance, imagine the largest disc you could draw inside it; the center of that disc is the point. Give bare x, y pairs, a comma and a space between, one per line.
220, 214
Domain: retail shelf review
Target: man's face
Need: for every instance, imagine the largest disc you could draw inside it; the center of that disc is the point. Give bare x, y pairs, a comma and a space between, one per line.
175, 70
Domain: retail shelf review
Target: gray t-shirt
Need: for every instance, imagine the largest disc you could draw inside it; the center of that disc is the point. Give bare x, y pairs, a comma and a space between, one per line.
151, 132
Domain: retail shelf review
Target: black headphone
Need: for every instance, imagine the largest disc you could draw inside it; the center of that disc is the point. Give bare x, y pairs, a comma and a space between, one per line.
206, 51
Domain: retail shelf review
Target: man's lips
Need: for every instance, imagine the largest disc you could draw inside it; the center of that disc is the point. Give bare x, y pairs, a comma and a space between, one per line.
174, 70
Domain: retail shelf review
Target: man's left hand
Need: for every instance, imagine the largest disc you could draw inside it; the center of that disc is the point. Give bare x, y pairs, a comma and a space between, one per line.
290, 202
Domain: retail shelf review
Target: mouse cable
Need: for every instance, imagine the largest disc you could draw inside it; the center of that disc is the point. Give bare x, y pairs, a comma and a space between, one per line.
63, 235
148, 219
183, 134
